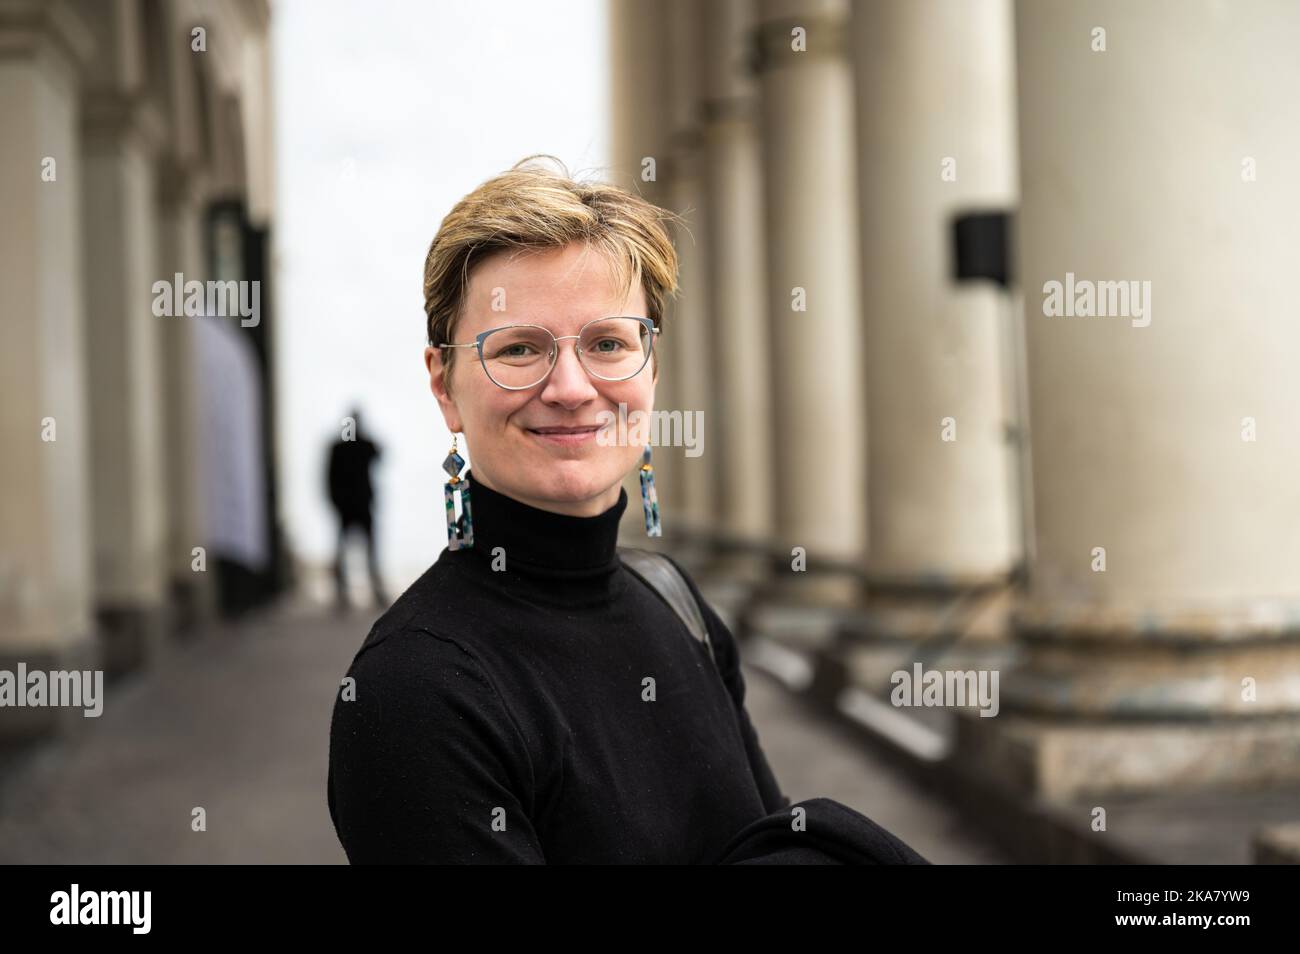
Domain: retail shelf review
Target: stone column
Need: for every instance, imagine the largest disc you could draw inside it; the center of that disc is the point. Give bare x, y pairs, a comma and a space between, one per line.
1162, 626
740, 434
733, 179
689, 330
936, 137
121, 130
46, 583
180, 230
639, 147
813, 298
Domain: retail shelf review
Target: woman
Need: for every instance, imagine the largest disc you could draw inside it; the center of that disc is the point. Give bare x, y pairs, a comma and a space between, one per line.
529, 699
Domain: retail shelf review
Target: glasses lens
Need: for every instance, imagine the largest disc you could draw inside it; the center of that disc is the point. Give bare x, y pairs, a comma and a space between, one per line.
615, 348
518, 356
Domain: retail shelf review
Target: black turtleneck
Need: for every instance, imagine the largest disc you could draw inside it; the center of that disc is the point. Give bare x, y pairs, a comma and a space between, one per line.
529, 700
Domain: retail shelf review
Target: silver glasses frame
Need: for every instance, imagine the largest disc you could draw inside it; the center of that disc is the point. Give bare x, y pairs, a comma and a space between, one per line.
477, 344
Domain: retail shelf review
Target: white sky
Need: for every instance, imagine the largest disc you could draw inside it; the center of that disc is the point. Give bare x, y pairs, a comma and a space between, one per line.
386, 114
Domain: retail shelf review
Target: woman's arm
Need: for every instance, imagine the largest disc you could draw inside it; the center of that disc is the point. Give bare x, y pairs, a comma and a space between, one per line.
728, 659
729, 667
426, 765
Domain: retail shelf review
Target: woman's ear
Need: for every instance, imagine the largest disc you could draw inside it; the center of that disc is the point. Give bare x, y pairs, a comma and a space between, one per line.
435, 363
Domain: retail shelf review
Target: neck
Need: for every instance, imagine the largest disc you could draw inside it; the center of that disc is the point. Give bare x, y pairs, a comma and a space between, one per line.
542, 544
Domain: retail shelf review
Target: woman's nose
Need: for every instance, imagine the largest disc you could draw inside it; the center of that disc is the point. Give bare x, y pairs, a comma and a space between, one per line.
568, 378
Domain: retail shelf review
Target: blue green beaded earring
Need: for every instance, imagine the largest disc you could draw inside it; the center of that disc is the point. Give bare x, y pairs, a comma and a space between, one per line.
649, 499
460, 532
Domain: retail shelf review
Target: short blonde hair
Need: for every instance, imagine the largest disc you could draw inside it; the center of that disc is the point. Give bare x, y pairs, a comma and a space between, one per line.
532, 207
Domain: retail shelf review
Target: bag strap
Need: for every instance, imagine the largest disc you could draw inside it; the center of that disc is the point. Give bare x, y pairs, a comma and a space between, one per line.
659, 573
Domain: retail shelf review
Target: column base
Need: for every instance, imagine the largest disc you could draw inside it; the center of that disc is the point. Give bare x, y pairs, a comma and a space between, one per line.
1278, 845
730, 583
193, 602
841, 592
940, 630
799, 617
979, 613
133, 637
787, 632
871, 667
1060, 759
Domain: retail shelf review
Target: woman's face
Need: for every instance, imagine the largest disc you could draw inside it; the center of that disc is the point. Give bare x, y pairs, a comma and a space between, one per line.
559, 289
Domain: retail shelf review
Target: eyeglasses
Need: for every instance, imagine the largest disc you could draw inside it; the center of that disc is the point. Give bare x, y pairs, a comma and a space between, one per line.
517, 357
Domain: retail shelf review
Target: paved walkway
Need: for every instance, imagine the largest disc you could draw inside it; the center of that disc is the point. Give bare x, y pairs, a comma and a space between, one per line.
237, 722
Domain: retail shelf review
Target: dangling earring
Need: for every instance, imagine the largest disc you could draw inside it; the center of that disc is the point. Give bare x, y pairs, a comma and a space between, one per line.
460, 533
649, 499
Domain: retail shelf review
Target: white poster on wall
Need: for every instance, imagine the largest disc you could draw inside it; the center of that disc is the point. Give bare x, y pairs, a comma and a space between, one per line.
233, 472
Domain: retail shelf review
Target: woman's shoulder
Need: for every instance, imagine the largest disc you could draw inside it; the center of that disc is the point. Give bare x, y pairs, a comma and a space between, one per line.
411, 674
437, 591
408, 631
409, 679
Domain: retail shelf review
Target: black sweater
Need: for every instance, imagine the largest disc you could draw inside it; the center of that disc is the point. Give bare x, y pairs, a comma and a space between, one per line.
550, 709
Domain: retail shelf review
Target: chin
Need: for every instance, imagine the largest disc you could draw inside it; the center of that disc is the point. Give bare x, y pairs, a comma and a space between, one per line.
575, 480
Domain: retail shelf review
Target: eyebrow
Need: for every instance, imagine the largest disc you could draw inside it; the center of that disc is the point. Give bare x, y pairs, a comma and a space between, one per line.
541, 322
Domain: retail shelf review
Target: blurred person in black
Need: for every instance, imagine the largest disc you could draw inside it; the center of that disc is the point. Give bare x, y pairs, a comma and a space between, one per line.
352, 495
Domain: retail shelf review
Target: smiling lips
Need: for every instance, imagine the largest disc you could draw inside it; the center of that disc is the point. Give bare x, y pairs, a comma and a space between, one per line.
565, 436
564, 430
